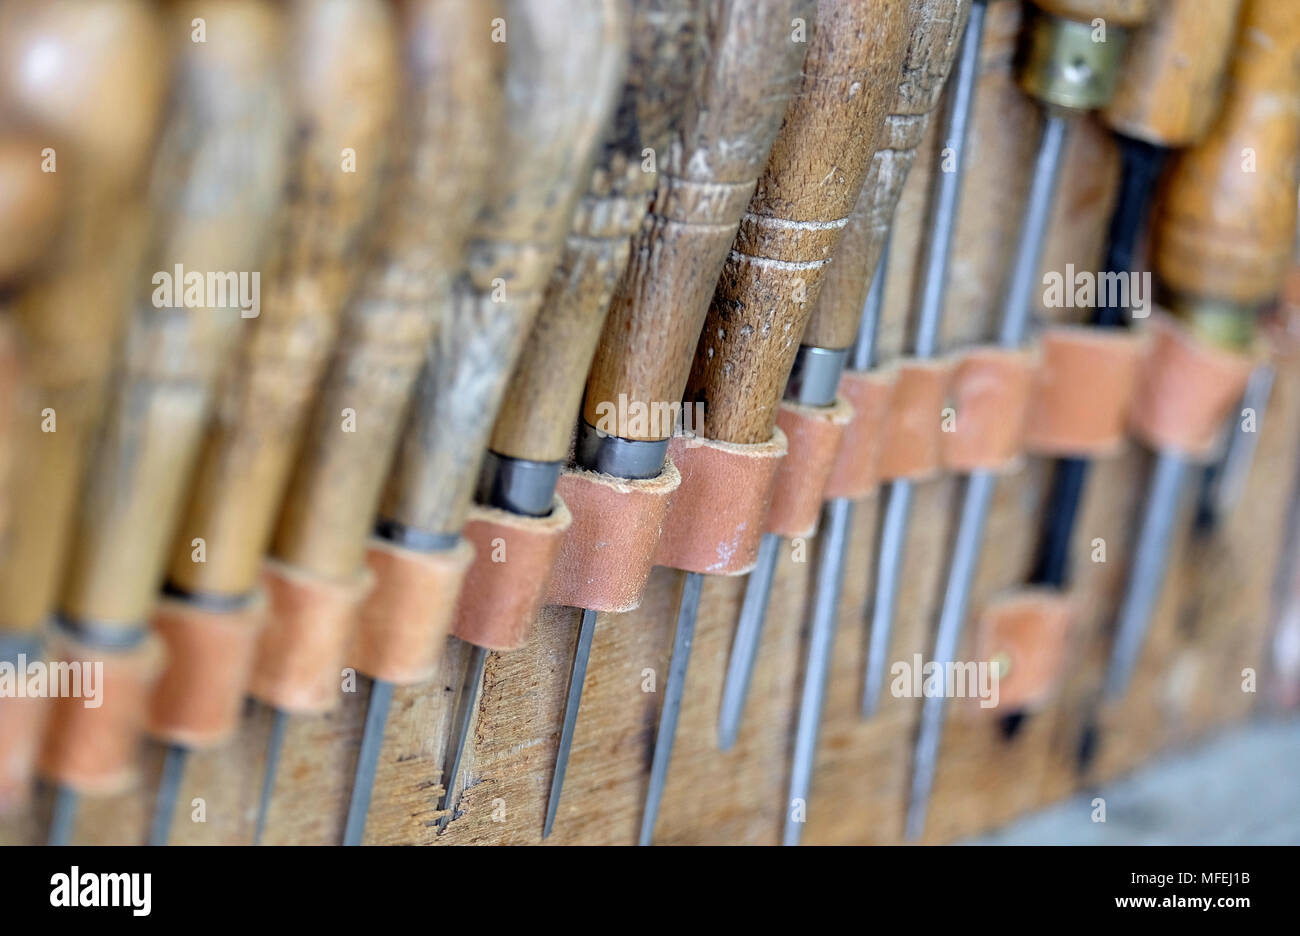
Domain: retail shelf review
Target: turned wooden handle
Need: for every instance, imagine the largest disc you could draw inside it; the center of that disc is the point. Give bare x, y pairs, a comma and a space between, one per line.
1127, 13
562, 77
1171, 82
98, 112
935, 29
450, 121
217, 177
1226, 226
706, 178
545, 391
814, 175
343, 83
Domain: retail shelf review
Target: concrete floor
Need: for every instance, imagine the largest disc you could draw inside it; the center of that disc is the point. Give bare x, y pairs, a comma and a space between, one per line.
1240, 788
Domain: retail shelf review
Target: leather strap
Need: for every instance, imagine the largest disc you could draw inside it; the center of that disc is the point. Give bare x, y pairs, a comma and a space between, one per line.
609, 549
813, 436
310, 622
856, 472
506, 584
1026, 631
93, 750
405, 619
1186, 389
716, 519
198, 698
1083, 390
989, 393
22, 725
910, 447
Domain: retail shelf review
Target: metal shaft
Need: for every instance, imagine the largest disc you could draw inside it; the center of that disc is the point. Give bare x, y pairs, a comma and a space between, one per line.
749, 633
941, 222
689, 607
164, 808
577, 678
1147, 575
372, 741
821, 643
279, 723
460, 731
63, 818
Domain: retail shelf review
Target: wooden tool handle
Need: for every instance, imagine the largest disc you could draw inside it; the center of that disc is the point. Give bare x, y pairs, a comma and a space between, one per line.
344, 76
1125, 13
217, 176
1171, 81
562, 78
97, 113
814, 175
706, 178
1226, 226
450, 120
545, 391
935, 29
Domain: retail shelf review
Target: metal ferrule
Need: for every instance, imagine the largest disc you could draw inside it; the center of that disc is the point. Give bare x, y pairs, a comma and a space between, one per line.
815, 376
518, 485
210, 601
1224, 324
1063, 66
623, 458
101, 634
417, 540
14, 645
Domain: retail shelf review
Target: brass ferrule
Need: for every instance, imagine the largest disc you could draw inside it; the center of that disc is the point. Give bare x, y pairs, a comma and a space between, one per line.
1071, 65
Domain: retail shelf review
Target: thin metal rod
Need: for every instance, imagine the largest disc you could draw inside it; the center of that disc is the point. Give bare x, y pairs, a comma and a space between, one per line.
821, 643
956, 601
749, 633
863, 356
586, 631
1147, 575
686, 613
164, 806
279, 723
372, 742
460, 731
63, 817
889, 576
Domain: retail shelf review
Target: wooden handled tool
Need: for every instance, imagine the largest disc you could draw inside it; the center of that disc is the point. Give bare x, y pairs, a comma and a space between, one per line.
343, 78
217, 175
1222, 241
450, 102
772, 276
709, 165
935, 29
562, 76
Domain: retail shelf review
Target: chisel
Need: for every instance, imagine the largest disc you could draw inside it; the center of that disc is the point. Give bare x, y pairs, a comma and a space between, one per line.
770, 282
449, 120
562, 78
217, 176
343, 78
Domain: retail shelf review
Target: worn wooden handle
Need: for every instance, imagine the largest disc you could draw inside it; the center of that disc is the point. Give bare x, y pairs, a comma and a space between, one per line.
814, 175
97, 112
1125, 13
217, 177
935, 29
1226, 226
1171, 82
562, 78
545, 391
450, 109
345, 72
706, 178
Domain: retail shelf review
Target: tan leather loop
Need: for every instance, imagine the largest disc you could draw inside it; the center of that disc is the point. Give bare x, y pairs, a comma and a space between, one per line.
209, 662
22, 725
93, 750
989, 394
507, 583
1083, 390
309, 627
716, 519
910, 443
813, 435
1026, 633
404, 621
1186, 390
609, 549
856, 472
